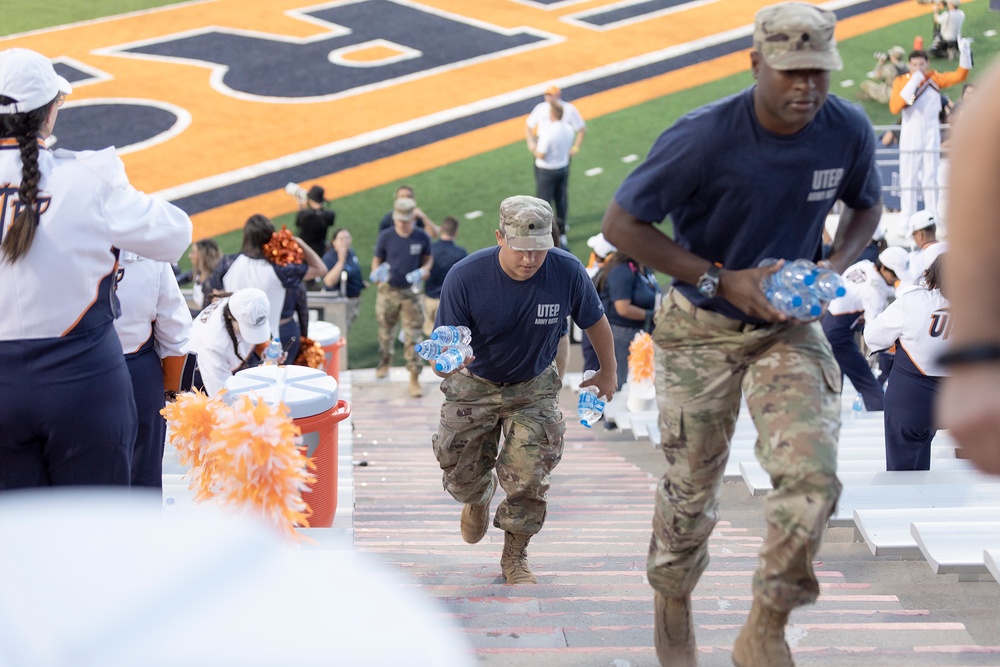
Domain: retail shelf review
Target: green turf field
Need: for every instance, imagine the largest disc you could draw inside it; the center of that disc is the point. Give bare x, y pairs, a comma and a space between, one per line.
480, 183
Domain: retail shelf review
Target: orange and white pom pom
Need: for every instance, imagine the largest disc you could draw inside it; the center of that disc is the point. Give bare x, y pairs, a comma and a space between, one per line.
258, 462
191, 420
640, 359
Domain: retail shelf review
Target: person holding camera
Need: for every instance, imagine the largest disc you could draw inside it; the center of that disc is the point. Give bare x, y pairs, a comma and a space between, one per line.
313, 220
888, 65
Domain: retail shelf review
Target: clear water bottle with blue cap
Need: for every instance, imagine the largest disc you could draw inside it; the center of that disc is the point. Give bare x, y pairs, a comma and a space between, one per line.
273, 352
590, 406
828, 285
415, 278
429, 349
859, 405
451, 359
452, 335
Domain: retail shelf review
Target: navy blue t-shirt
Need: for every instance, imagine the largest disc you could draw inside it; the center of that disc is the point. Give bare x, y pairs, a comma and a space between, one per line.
516, 324
446, 255
626, 281
355, 279
402, 254
738, 193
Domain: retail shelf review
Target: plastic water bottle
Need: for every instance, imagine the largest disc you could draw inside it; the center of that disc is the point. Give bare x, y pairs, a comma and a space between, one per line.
380, 274
416, 279
450, 335
450, 359
590, 407
429, 349
858, 407
797, 274
828, 285
273, 352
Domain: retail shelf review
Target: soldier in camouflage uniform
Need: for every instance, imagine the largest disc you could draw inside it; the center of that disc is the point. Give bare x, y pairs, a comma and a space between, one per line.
514, 298
405, 248
748, 177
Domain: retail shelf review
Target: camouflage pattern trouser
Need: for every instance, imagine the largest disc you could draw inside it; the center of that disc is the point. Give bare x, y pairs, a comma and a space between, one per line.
792, 387
391, 305
468, 440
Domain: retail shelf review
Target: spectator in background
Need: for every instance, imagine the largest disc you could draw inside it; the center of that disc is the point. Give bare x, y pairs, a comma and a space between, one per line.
969, 404
421, 219
888, 65
155, 332
344, 276
600, 252
552, 153
538, 119
629, 293
950, 19
917, 324
923, 227
252, 268
406, 249
314, 221
917, 96
445, 254
204, 256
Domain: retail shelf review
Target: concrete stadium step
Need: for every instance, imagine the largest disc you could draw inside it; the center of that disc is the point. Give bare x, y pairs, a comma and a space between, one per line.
592, 605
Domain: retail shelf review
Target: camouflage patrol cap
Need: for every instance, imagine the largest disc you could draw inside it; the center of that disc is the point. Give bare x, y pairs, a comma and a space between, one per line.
526, 222
796, 35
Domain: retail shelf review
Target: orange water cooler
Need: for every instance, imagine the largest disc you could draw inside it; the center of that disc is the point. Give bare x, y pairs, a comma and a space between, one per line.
311, 396
330, 339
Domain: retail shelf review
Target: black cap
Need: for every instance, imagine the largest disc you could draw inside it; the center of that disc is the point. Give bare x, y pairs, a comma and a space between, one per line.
316, 193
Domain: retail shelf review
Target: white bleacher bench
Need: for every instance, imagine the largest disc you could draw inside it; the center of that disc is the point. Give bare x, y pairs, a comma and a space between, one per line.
887, 531
992, 559
956, 548
758, 481
902, 496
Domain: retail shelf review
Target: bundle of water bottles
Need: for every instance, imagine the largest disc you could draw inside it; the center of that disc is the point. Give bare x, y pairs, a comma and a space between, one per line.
800, 288
447, 348
380, 274
415, 278
590, 407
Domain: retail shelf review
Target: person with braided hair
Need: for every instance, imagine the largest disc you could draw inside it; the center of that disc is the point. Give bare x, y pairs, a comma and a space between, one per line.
67, 412
225, 333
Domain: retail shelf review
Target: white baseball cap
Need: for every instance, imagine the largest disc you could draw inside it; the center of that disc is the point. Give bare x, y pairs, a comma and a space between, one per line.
251, 308
600, 245
28, 78
921, 220
897, 260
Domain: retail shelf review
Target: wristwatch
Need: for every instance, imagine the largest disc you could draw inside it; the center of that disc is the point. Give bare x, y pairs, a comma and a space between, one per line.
708, 284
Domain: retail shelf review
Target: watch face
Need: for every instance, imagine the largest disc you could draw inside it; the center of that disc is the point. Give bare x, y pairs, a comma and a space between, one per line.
707, 286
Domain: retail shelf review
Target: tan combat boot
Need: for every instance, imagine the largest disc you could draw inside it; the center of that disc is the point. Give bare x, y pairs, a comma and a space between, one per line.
382, 370
673, 635
514, 560
476, 518
761, 642
415, 390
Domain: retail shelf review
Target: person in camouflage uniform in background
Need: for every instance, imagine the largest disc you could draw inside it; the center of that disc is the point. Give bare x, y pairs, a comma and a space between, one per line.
746, 178
514, 298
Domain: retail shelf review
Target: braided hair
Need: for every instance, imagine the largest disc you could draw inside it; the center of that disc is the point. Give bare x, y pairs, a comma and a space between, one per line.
24, 127
228, 318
